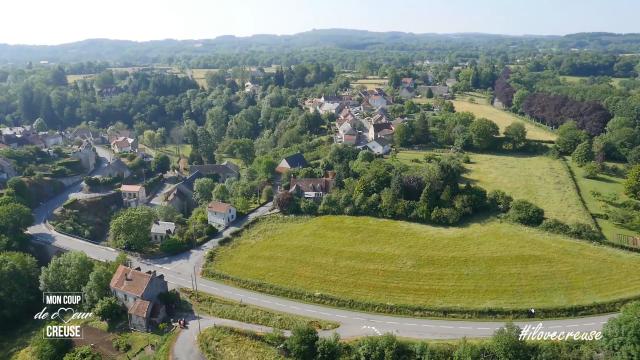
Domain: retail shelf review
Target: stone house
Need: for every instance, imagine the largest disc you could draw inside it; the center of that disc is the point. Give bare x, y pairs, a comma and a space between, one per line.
138, 291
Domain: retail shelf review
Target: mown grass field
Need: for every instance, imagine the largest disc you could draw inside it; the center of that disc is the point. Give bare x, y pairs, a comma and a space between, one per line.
225, 343
544, 181
539, 179
371, 82
606, 185
480, 108
170, 150
576, 79
487, 264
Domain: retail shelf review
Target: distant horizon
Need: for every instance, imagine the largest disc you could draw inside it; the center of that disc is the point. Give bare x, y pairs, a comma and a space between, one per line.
321, 29
32, 22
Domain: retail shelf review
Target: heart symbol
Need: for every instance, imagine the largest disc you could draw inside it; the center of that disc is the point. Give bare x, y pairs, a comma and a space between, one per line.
64, 313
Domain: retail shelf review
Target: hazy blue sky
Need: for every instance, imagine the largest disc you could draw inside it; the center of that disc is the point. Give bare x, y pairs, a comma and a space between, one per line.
59, 21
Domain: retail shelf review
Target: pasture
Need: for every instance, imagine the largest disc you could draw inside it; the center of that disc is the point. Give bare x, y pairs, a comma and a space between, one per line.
542, 180
484, 264
606, 185
480, 108
370, 82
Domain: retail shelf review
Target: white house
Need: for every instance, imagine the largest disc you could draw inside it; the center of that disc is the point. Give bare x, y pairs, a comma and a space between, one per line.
160, 230
133, 195
379, 146
220, 214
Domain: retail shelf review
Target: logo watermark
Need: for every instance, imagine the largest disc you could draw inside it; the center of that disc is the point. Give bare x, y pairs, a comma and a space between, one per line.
529, 332
62, 307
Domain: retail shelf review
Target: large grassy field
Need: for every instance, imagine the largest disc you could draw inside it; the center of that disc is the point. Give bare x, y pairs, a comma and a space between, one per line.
542, 180
539, 179
489, 264
480, 108
371, 82
576, 79
606, 185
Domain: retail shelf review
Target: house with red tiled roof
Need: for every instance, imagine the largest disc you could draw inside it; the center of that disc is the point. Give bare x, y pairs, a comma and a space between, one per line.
124, 144
138, 291
311, 188
220, 214
133, 195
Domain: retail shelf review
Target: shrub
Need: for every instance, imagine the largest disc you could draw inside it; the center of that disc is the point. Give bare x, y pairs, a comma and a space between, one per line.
585, 232
555, 226
445, 216
173, 246
499, 201
121, 343
632, 184
583, 154
302, 343
525, 213
275, 338
211, 230
591, 170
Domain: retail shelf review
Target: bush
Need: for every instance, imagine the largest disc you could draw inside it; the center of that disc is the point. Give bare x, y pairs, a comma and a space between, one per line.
591, 170
173, 246
585, 232
555, 226
499, 201
445, 216
583, 154
121, 343
525, 213
302, 343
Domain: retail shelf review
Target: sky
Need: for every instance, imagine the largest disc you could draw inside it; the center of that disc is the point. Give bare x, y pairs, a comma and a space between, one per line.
48, 22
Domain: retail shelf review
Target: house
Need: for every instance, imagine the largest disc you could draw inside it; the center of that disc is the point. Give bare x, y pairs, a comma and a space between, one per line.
408, 82
377, 101
160, 230
348, 135
114, 133
139, 291
250, 88
380, 130
220, 214
7, 171
124, 144
117, 168
16, 136
436, 90
294, 161
331, 108
133, 195
180, 197
407, 92
86, 155
221, 172
451, 82
379, 146
311, 188
51, 139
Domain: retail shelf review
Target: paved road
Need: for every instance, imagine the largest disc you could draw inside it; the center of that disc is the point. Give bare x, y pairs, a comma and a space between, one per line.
178, 270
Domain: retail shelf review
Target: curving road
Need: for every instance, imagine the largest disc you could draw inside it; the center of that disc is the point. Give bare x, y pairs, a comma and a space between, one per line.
178, 270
